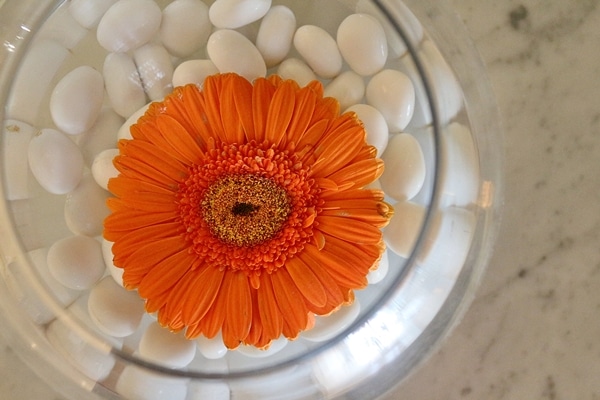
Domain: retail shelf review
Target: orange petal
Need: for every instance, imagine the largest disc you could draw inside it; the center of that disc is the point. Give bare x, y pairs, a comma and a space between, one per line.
129, 242
359, 173
271, 318
337, 265
261, 101
239, 307
334, 297
197, 296
295, 313
187, 149
123, 221
280, 113
349, 229
309, 285
212, 322
166, 273
255, 332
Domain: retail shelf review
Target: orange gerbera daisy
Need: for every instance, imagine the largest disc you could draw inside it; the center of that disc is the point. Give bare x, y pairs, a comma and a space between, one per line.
240, 209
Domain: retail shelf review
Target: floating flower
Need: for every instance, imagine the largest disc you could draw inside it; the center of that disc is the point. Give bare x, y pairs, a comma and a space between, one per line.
240, 208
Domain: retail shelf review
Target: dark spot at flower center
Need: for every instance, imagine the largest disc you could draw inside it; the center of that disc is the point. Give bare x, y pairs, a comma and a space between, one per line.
244, 209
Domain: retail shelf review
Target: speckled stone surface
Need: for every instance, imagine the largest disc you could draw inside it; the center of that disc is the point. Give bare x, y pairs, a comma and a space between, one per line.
532, 331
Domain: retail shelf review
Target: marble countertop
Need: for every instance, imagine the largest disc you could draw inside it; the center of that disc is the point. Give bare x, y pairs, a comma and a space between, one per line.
532, 331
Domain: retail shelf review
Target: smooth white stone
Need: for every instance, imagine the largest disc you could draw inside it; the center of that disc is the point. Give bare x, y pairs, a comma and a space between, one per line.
124, 131
297, 70
348, 88
213, 349
156, 70
85, 208
375, 126
213, 390
103, 168
427, 141
328, 327
15, 142
138, 384
185, 27
275, 35
90, 361
319, 50
55, 161
448, 93
193, 71
232, 14
123, 84
163, 347
460, 167
39, 259
448, 245
115, 272
62, 28
128, 24
379, 274
76, 101
393, 94
276, 346
115, 311
403, 230
405, 18
89, 12
226, 48
405, 171
33, 78
102, 136
76, 262
361, 40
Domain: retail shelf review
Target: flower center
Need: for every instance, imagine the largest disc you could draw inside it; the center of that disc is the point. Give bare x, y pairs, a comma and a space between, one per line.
245, 210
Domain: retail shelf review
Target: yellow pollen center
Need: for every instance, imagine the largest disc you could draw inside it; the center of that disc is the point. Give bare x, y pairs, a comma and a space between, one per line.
245, 210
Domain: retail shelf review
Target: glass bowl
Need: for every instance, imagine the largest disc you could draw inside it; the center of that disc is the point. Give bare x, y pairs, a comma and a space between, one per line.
420, 291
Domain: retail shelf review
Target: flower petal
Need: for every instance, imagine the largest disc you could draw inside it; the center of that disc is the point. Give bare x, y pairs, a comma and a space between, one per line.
165, 274
271, 317
337, 265
197, 296
186, 147
130, 242
239, 309
261, 101
295, 313
349, 229
280, 113
306, 281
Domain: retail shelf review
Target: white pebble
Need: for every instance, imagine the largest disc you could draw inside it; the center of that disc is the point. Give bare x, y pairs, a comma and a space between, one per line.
405, 18
193, 71
374, 124
404, 172
115, 272
226, 48
85, 208
296, 69
123, 84
252, 352
403, 230
328, 327
275, 35
141, 384
232, 14
55, 161
34, 76
115, 311
212, 349
89, 12
319, 50
348, 88
362, 42
448, 245
163, 347
379, 274
460, 167
62, 28
76, 262
124, 131
156, 70
128, 24
15, 141
102, 136
77, 99
185, 27
393, 94
103, 168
